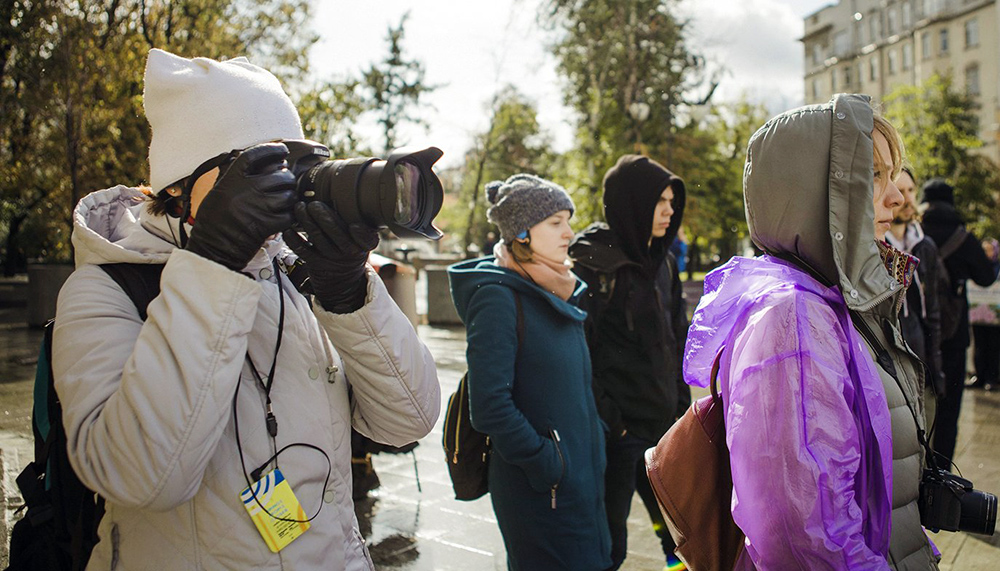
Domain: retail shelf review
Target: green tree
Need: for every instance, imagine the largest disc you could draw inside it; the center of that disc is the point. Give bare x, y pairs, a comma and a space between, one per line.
394, 87
939, 127
710, 155
329, 114
71, 95
513, 143
628, 68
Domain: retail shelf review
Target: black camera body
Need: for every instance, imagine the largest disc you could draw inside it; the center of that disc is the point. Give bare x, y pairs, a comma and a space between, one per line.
949, 502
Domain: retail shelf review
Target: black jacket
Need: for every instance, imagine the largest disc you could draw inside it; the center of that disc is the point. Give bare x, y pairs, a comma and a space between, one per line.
636, 329
920, 319
969, 261
637, 320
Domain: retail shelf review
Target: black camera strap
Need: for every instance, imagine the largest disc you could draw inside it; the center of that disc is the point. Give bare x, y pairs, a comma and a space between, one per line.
884, 361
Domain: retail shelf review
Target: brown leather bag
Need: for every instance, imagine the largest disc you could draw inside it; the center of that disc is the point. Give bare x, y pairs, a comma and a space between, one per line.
690, 476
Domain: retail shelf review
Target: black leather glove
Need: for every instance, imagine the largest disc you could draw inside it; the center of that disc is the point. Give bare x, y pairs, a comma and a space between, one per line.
335, 255
251, 200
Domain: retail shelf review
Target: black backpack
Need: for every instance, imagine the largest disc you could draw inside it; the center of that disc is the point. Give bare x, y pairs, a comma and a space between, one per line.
59, 529
466, 450
951, 295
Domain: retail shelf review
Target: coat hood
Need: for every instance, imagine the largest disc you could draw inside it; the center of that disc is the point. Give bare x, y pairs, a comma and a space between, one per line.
468, 277
631, 190
114, 226
597, 248
808, 184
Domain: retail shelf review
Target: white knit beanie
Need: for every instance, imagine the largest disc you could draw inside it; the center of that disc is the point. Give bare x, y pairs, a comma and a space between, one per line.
200, 108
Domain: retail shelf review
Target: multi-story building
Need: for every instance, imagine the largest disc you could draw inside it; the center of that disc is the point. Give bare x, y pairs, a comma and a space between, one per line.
872, 46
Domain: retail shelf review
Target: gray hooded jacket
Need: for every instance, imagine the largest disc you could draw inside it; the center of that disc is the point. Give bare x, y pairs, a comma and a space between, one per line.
808, 186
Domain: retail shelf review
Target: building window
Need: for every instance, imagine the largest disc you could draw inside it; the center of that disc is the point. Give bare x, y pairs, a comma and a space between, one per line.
833, 81
873, 68
817, 54
892, 20
907, 56
944, 41
893, 56
859, 33
972, 80
815, 88
840, 44
907, 15
875, 25
847, 77
925, 45
972, 33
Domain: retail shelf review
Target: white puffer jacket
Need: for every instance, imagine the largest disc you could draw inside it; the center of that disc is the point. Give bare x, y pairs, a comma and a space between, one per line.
148, 407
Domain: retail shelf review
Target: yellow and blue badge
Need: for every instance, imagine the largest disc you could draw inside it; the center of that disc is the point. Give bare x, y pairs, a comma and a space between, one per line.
275, 511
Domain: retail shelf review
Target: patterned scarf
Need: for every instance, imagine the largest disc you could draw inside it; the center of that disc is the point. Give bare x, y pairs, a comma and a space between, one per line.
901, 267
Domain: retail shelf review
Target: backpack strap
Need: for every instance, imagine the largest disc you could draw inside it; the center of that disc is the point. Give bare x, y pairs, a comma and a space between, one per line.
140, 282
953, 242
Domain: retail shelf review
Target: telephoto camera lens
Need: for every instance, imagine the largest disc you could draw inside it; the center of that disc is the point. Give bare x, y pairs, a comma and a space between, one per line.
950, 502
401, 193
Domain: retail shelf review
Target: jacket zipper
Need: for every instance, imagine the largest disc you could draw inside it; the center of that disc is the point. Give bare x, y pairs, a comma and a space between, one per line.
458, 421
562, 464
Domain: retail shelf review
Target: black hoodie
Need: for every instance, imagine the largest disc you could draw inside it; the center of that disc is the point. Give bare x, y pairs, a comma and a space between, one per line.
637, 320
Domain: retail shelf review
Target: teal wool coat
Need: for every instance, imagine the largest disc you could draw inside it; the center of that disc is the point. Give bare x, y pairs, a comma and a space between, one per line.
546, 475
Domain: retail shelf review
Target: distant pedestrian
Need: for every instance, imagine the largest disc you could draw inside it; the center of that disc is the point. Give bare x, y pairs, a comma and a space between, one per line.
636, 327
920, 316
529, 382
823, 442
986, 348
942, 222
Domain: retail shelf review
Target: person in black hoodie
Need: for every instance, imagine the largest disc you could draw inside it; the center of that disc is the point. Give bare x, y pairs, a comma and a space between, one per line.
968, 261
636, 329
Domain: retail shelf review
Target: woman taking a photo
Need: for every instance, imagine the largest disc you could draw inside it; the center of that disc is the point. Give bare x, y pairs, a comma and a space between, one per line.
529, 382
822, 435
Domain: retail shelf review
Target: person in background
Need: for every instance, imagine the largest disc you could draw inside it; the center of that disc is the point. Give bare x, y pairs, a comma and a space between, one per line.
986, 337
920, 317
822, 436
529, 382
233, 370
636, 327
941, 221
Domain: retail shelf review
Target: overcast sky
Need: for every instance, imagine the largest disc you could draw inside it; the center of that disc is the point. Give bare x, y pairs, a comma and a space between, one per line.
471, 48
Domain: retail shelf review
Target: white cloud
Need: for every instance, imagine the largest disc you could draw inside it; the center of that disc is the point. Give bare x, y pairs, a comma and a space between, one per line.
473, 49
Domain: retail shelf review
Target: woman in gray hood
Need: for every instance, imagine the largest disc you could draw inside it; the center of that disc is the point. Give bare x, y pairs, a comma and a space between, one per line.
821, 395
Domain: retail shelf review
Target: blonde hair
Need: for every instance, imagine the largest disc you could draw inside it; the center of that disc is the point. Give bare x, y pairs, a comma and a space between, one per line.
896, 150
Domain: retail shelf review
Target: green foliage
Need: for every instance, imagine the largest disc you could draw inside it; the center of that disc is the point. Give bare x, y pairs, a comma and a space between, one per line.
329, 113
394, 87
627, 68
513, 143
71, 95
710, 157
939, 127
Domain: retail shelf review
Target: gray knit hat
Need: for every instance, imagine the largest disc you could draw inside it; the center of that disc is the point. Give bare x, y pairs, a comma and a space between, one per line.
522, 201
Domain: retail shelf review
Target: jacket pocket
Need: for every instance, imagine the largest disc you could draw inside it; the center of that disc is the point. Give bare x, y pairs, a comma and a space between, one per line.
562, 464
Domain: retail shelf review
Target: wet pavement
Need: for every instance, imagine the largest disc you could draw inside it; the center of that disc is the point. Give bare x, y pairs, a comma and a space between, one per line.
427, 529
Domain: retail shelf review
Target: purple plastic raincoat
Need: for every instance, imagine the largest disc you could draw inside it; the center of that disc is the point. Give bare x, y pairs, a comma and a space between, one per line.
806, 417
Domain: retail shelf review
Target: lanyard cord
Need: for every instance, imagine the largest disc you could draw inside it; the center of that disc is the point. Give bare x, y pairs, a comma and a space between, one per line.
272, 423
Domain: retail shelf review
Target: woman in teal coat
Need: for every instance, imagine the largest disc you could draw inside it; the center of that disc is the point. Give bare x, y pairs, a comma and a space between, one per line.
532, 395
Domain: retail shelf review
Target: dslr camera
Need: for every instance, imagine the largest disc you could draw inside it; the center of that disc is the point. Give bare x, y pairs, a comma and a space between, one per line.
949, 502
401, 193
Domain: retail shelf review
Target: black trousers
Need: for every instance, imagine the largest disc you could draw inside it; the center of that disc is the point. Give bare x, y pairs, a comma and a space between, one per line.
987, 353
946, 425
625, 475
